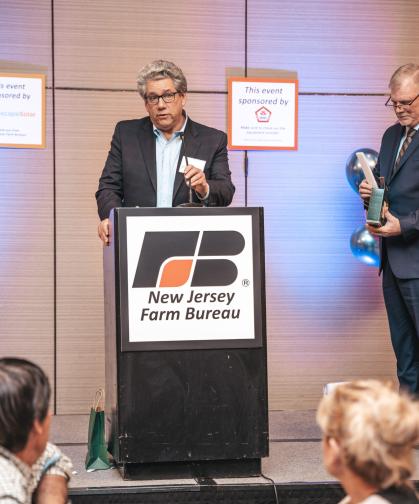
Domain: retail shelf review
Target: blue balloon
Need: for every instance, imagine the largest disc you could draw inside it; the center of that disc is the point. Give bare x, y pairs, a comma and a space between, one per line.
365, 247
354, 172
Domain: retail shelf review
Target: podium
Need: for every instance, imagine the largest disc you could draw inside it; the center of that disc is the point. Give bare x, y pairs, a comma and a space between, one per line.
185, 342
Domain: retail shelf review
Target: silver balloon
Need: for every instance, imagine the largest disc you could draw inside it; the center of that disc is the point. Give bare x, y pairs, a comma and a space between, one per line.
354, 172
365, 247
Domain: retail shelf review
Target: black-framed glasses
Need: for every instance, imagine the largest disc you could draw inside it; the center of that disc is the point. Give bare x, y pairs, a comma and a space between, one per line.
166, 97
391, 103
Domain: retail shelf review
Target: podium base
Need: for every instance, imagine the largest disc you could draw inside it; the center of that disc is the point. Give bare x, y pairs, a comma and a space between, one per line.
244, 468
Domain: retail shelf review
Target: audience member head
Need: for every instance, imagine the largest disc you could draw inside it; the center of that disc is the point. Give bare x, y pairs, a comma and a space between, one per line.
369, 430
24, 412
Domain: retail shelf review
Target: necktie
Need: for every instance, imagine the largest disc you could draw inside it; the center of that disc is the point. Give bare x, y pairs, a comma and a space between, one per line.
407, 141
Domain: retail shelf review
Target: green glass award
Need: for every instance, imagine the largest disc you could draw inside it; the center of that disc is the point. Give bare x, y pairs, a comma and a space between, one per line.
375, 208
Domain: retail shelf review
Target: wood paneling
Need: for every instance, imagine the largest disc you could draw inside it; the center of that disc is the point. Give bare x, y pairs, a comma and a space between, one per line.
27, 253
25, 35
85, 123
326, 319
104, 44
351, 46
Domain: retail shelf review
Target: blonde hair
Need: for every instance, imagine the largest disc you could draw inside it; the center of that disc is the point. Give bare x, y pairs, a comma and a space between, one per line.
408, 71
376, 429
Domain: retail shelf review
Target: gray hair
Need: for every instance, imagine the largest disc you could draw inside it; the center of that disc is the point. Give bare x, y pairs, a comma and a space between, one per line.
408, 71
158, 70
24, 398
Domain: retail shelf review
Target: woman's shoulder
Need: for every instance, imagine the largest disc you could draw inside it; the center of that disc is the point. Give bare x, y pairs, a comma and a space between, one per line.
372, 499
393, 495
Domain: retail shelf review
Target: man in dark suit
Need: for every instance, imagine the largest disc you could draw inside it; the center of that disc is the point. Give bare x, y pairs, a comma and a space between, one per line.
398, 163
146, 165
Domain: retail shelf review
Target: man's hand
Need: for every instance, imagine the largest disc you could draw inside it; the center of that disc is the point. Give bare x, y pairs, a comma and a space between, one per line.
390, 228
365, 190
196, 178
52, 489
103, 231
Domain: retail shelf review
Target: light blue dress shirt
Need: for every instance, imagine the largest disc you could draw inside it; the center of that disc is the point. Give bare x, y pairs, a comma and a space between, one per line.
167, 157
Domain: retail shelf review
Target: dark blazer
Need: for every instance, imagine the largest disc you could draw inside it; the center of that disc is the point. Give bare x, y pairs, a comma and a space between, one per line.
129, 176
402, 252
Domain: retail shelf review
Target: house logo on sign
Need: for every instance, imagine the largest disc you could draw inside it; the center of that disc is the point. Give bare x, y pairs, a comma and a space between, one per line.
263, 115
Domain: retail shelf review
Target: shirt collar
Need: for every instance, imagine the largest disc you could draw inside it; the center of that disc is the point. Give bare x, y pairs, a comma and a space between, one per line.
158, 132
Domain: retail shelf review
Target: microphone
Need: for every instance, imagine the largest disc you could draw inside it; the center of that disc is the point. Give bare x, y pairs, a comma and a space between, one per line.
182, 135
182, 138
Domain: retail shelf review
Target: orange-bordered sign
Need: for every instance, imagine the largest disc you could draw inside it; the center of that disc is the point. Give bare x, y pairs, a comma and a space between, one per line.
262, 113
22, 110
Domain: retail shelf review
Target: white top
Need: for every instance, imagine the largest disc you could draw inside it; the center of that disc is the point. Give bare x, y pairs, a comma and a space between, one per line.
372, 499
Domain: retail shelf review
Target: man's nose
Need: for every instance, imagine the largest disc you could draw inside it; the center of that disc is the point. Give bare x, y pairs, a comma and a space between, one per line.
161, 103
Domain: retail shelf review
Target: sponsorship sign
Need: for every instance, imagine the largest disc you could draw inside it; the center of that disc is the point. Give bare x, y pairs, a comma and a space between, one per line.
191, 278
262, 113
22, 110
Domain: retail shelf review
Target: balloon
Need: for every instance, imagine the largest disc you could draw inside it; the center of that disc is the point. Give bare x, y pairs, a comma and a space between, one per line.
354, 172
364, 247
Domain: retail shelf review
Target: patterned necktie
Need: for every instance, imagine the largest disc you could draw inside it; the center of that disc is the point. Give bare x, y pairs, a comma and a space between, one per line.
407, 141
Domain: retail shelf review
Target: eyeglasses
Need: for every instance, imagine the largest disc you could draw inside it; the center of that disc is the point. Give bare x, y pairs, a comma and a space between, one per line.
403, 104
166, 97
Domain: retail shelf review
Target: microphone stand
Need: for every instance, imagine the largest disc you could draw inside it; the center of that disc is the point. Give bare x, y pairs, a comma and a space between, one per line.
191, 203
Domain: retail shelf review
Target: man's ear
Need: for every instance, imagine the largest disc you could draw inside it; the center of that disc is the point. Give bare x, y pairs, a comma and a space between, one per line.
38, 427
34, 434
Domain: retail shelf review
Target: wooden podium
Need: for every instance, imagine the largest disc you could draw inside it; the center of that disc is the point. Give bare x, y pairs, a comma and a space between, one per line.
186, 381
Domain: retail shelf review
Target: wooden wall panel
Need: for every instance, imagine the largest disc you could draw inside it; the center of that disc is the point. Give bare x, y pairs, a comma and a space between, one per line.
25, 35
326, 319
27, 253
351, 46
26, 202
85, 123
103, 44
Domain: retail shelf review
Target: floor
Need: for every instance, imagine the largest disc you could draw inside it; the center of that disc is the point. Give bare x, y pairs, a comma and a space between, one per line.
295, 454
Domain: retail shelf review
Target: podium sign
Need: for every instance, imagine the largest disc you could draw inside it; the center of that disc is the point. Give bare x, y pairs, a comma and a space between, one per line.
191, 280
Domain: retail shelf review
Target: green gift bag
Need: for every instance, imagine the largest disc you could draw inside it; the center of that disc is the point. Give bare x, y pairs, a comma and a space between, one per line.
97, 455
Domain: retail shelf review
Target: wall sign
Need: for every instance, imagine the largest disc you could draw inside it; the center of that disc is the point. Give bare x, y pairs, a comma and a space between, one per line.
22, 110
262, 114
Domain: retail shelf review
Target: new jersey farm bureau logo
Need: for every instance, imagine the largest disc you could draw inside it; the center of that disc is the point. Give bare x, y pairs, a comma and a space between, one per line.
196, 259
171, 259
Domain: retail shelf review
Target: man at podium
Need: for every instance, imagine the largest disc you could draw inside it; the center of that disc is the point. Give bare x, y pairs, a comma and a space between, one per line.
153, 161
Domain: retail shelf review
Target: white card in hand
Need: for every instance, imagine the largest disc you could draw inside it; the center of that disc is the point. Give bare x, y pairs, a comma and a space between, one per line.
198, 163
366, 169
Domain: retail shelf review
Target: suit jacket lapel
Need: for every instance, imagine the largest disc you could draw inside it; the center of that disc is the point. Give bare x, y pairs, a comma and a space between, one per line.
192, 144
148, 151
